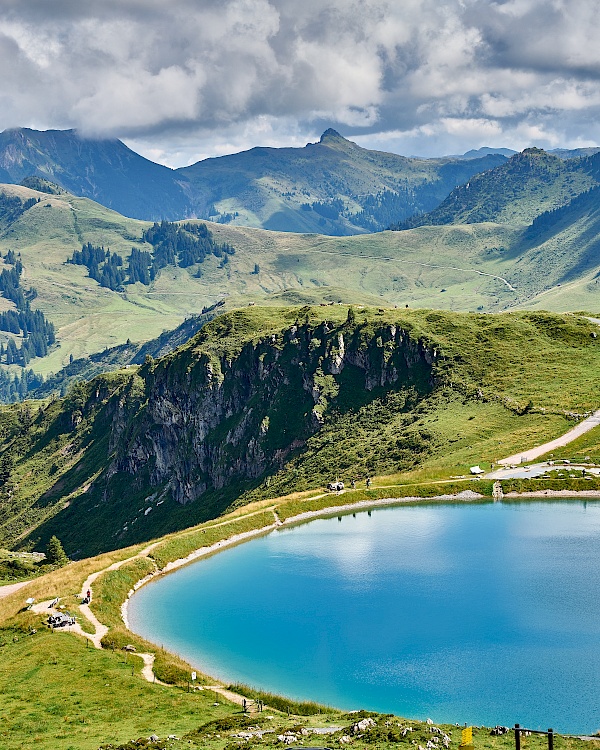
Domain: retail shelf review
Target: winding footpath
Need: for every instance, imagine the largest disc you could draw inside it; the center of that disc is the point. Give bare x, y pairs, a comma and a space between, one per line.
48, 607
100, 630
575, 432
10, 588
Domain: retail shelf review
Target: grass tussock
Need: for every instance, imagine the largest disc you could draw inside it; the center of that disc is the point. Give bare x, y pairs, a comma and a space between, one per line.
285, 705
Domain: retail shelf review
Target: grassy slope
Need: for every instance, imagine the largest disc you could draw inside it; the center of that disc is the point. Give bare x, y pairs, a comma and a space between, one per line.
444, 267
515, 192
491, 401
58, 693
90, 318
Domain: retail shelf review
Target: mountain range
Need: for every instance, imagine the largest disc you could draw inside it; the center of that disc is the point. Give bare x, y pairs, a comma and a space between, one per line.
330, 187
521, 234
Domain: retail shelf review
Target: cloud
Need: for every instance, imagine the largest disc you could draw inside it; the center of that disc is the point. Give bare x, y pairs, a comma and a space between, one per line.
184, 79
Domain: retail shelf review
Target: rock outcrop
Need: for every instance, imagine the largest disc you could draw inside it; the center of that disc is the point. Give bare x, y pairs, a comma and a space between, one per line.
210, 417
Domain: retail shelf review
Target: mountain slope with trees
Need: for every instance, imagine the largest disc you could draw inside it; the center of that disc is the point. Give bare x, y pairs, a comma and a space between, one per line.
267, 401
331, 187
161, 274
516, 192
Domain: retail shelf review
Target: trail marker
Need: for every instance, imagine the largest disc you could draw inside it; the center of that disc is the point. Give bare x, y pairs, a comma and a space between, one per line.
466, 742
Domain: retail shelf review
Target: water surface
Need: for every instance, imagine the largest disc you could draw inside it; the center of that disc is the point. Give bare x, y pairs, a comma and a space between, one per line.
482, 614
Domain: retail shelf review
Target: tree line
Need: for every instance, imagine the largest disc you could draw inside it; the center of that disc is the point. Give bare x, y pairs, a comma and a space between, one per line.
103, 266
182, 245
37, 331
16, 387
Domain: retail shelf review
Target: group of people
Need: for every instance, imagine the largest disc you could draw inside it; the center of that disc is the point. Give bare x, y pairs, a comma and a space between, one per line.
353, 483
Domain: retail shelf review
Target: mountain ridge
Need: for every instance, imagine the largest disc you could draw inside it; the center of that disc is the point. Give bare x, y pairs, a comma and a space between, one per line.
314, 188
516, 192
105, 170
267, 401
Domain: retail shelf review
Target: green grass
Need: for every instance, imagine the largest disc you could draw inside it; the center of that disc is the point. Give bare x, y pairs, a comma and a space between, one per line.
490, 386
58, 693
298, 708
111, 590
458, 267
184, 544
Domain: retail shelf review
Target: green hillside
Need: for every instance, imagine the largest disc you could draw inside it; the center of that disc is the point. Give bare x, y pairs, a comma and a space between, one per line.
516, 192
332, 187
104, 170
268, 401
89, 318
476, 266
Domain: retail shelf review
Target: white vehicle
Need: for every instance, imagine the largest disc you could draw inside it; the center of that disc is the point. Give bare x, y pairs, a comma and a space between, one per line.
335, 486
61, 620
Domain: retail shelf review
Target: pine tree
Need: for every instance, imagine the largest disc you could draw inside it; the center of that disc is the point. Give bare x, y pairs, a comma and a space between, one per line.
55, 553
6, 467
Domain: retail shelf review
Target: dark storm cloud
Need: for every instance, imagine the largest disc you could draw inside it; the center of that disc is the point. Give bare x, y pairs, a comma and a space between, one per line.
206, 77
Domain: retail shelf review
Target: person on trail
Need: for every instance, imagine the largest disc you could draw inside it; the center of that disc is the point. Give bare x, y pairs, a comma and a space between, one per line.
353, 484
368, 482
88, 596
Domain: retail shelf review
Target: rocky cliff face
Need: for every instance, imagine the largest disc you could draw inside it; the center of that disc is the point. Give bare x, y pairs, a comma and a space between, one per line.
211, 419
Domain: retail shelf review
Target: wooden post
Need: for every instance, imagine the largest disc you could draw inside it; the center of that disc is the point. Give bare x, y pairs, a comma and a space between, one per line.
550, 739
517, 737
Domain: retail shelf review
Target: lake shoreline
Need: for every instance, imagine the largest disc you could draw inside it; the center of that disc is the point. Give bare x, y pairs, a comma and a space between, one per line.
462, 497
466, 497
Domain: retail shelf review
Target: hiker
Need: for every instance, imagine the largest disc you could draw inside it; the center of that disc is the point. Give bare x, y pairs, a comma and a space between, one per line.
88, 596
353, 484
368, 482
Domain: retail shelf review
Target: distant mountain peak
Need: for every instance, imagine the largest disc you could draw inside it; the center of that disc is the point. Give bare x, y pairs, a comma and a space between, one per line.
331, 134
477, 153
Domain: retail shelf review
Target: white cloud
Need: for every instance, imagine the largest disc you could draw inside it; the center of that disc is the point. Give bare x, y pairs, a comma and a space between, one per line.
189, 78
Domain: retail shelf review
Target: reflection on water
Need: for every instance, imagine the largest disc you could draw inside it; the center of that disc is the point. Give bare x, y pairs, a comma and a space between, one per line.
483, 614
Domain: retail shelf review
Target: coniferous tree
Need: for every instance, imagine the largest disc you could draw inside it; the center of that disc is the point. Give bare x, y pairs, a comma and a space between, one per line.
55, 553
6, 467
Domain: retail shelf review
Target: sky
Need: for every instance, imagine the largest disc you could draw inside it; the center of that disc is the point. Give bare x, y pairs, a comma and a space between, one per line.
188, 79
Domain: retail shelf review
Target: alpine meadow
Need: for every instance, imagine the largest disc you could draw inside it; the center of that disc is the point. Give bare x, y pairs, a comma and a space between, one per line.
299, 335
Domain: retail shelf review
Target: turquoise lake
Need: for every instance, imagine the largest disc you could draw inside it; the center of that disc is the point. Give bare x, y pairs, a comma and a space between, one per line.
485, 614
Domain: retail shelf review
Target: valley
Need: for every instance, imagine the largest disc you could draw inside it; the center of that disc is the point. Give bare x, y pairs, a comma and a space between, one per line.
217, 374
485, 267
300, 303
